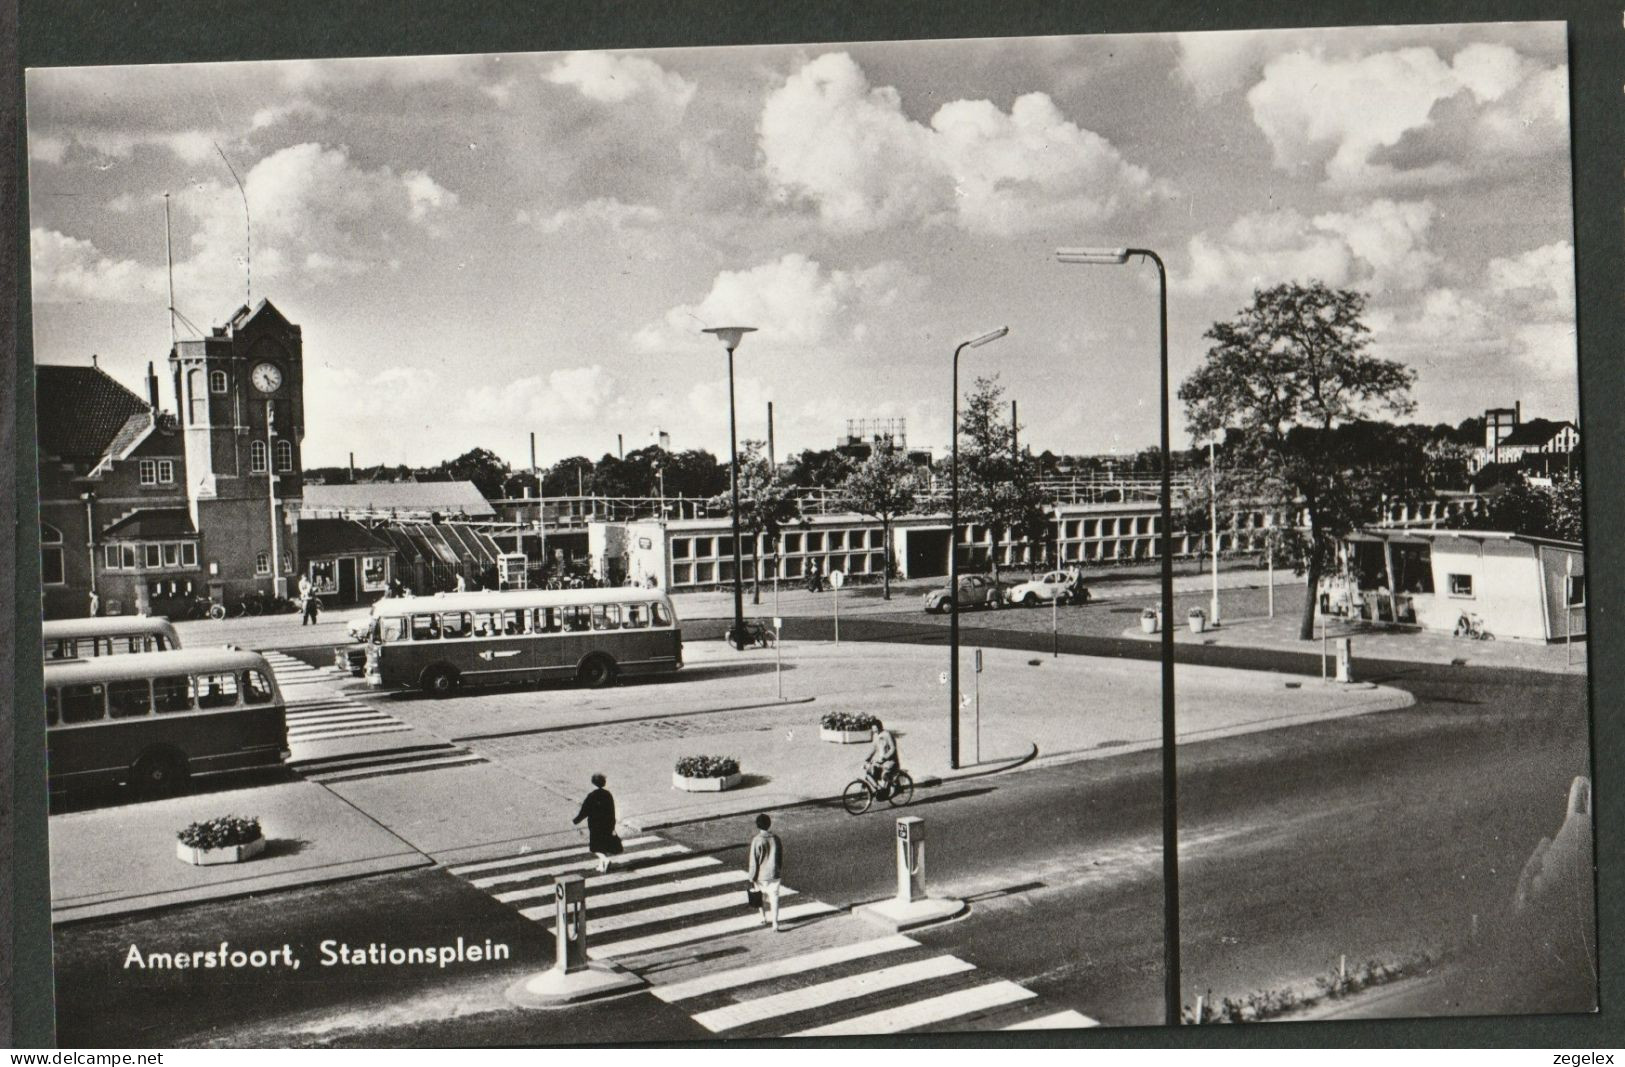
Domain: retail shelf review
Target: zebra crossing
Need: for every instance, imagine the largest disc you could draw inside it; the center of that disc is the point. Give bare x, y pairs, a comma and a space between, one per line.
317, 711
663, 896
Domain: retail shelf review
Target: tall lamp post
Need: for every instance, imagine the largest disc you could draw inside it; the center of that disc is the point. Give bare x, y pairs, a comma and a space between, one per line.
953, 551
1170, 780
1213, 515
730, 336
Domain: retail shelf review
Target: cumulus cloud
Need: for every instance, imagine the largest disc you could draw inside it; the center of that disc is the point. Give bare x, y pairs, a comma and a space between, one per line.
1215, 63
612, 79
1381, 246
69, 270
1408, 117
827, 136
603, 211
575, 396
275, 114
792, 299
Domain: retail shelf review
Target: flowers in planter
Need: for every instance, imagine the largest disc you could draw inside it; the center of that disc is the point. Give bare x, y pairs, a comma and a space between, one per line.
849, 721
1197, 613
224, 832
1149, 613
707, 766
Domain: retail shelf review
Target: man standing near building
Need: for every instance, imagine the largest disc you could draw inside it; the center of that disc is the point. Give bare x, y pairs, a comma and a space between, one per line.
307, 601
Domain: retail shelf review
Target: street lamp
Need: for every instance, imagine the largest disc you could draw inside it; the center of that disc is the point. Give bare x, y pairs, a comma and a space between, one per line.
730, 336
1170, 780
953, 551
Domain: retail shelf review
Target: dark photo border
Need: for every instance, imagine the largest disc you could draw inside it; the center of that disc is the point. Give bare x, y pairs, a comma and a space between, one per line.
98, 32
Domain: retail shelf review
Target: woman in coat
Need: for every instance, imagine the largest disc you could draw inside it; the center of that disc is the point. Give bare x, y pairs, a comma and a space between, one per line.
599, 811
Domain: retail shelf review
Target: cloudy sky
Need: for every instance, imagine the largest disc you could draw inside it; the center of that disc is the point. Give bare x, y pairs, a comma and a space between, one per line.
478, 247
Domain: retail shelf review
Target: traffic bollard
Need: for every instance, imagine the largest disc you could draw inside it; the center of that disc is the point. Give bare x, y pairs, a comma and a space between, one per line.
1345, 664
910, 859
912, 906
573, 977
570, 922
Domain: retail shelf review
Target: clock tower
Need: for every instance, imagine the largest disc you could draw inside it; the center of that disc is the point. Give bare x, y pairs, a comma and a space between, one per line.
240, 395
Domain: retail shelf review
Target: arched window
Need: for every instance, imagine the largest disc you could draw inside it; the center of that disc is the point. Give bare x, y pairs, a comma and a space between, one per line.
217, 381
52, 570
256, 457
284, 455
197, 410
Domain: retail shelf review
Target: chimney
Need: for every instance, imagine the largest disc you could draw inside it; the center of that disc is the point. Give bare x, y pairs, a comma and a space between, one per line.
1517, 414
152, 386
94, 365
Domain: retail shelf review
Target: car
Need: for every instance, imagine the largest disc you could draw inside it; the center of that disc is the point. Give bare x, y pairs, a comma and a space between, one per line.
975, 591
1053, 586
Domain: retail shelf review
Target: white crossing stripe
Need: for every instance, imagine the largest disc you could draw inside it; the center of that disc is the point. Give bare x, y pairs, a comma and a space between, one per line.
349, 731
824, 993
465, 869
761, 972
607, 879
380, 770
664, 913
1061, 1020
926, 1012
702, 932
664, 889
565, 868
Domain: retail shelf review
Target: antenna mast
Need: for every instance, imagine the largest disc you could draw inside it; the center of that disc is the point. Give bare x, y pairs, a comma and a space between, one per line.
169, 264
248, 228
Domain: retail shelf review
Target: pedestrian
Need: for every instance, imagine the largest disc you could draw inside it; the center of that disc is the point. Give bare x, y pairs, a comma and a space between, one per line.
767, 867
462, 584
814, 576
396, 588
307, 601
599, 811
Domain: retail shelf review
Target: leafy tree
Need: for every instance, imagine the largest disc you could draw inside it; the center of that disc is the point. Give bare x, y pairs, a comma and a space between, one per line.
1554, 511
484, 468
883, 487
568, 477
694, 473
1290, 373
818, 468
766, 505
998, 487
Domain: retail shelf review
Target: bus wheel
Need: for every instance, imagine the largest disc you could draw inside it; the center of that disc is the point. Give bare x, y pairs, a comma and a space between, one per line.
158, 774
597, 672
439, 681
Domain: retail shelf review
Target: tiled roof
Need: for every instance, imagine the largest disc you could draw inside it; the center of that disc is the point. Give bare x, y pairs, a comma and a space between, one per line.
405, 498
338, 537
1534, 432
149, 524
132, 431
81, 410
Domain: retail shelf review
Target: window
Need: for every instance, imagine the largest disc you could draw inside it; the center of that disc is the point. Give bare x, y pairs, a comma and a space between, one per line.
188, 554
513, 622
455, 624
155, 555
256, 688
284, 455
262, 563
324, 575
425, 628
577, 619
487, 624
149, 472
256, 457
606, 617
63, 649
658, 612
217, 381
680, 547
1577, 590
375, 572
704, 546
792, 542
637, 617
391, 630
215, 690
52, 563
129, 699
127, 557
547, 621
1461, 585
82, 703
197, 400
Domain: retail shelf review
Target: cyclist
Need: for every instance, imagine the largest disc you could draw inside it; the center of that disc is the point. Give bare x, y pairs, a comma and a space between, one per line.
880, 766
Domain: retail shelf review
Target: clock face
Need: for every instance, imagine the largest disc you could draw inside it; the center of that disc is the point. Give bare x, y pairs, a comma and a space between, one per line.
267, 377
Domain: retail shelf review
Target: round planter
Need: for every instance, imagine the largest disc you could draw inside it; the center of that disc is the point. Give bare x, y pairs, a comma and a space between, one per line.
843, 737
1148, 625
1198, 624
208, 857
704, 785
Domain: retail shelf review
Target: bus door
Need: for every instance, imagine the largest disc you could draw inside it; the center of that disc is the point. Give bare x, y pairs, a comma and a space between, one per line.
500, 644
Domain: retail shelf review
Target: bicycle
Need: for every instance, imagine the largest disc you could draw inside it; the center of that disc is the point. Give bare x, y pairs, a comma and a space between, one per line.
207, 607
860, 794
1471, 626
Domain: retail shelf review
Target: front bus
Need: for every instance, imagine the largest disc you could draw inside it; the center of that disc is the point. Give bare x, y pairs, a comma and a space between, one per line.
155, 719
592, 636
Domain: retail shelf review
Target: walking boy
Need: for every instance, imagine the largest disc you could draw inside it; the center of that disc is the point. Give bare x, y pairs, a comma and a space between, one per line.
767, 866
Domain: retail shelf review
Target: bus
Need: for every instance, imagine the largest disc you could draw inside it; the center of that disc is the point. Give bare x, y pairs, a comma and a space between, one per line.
153, 720
113, 635
594, 636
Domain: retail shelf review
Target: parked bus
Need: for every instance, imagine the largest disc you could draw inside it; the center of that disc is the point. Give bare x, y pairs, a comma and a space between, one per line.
154, 719
113, 635
594, 636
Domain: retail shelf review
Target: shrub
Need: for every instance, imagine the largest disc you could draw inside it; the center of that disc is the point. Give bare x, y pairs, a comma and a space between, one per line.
224, 832
847, 720
707, 766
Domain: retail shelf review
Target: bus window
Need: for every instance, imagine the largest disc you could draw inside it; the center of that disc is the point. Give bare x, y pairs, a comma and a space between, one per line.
63, 649
454, 624
162, 643
52, 704
425, 628
488, 624
547, 621
82, 703
139, 644
256, 688
215, 690
390, 630
173, 693
606, 617
513, 623
637, 617
577, 619
128, 699
658, 612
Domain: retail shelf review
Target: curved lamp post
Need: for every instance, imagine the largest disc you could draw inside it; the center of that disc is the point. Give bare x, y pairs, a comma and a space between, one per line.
1170, 780
730, 336
953, 551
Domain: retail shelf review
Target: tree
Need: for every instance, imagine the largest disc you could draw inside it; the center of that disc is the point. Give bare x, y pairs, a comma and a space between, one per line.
1554, 511
998, 487
883, 487
816, 468
1290, 373
766, 504
568, 477
484, 468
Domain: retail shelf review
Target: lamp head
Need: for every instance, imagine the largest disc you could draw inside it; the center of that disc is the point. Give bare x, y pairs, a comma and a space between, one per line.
992, 335
730, 336
1092, 255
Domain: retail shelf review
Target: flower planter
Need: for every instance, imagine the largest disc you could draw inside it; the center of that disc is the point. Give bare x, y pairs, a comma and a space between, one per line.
843, 737
1148, 624
208, 857
1198, 622
704, 785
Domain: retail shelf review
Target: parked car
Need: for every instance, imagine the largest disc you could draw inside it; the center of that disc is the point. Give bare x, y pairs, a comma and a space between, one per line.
1055, 585
975, 591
